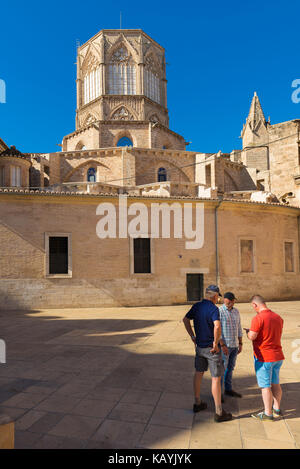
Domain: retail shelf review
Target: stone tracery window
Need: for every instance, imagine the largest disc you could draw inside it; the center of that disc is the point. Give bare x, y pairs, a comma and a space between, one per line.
151, 80
121, 73
122, 114
91, 81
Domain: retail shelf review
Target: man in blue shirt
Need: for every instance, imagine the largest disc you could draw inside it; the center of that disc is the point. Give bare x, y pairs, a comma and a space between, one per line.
206, 318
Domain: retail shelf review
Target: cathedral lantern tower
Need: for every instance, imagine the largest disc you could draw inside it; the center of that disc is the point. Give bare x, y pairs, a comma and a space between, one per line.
122, 89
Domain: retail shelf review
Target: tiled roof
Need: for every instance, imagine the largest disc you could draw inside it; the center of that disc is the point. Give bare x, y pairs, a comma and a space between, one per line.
28, 191
12, 151
3, 144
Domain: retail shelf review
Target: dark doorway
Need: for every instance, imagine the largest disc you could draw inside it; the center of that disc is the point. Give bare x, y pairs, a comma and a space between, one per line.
194, 287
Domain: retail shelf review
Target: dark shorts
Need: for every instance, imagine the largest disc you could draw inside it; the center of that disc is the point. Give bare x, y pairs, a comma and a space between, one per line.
205, 359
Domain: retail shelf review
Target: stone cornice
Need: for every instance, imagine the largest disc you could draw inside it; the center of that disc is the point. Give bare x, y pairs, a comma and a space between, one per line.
124, 123
43, 194
112, 151
120, 31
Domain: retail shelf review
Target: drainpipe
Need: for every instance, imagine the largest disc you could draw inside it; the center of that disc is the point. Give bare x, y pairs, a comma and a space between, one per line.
298, 219
217, 242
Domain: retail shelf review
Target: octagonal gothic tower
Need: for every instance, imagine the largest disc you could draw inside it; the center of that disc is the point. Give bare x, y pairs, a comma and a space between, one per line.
121, 90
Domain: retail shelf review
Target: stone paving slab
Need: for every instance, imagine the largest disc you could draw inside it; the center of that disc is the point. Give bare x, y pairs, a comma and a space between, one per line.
122, 378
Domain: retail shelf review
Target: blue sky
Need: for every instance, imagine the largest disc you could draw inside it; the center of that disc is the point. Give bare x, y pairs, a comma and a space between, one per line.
218, 54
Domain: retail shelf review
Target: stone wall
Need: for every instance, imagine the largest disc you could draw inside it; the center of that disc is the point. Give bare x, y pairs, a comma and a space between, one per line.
102, 268
284, 158
87, 137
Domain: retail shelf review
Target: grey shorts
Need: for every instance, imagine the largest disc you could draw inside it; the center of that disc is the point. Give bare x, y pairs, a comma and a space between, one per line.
204, 359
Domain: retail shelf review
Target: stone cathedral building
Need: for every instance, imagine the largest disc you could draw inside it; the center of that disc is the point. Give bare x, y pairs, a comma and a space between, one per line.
51, 255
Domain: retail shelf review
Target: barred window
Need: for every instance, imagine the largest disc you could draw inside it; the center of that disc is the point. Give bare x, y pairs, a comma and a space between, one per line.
121, 73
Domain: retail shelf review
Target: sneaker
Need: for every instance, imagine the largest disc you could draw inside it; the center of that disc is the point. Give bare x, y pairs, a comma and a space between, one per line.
277, 412
198, 407
262, 416
233, 393
224, 417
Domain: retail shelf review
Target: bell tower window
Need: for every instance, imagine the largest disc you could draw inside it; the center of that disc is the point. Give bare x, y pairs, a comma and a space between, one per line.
152, 81
91, 86
121, 73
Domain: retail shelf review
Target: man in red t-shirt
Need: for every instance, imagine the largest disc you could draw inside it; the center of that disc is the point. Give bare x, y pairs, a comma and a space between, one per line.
265, 332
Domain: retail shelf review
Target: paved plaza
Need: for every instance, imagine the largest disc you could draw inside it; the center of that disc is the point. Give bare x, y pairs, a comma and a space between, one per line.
122, 378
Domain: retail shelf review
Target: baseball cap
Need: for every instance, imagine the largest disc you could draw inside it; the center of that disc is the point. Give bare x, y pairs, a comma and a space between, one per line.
213, 288
230, 296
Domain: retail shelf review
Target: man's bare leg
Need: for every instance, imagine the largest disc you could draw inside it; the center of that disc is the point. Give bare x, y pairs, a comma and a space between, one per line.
277, 395
268, 400
197, 385
216, 392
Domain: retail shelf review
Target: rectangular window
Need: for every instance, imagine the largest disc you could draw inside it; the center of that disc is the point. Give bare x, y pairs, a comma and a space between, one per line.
208, 175
194, 287
58, 254
247, 255
289, 257
142, 255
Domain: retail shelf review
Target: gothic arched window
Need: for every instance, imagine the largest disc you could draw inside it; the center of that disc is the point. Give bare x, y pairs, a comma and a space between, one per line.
124, 142
162, 175
151, 81
91, 175
92, 80
121, 73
